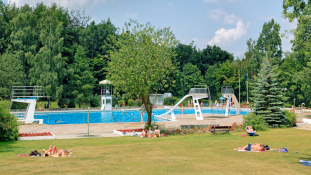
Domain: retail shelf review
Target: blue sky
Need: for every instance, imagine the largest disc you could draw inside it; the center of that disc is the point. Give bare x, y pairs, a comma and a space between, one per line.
225, 23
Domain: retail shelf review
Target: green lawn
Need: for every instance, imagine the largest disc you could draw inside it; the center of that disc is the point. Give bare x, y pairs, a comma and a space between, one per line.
191, 154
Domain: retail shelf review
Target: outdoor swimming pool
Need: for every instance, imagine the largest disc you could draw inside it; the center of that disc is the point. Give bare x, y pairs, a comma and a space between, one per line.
80, 117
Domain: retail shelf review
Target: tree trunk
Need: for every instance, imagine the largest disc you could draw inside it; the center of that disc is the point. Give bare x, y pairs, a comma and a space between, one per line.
148, 106
79, 105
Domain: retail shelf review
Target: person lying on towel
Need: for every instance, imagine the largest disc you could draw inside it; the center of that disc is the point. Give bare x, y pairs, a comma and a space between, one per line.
53, 152
255, 147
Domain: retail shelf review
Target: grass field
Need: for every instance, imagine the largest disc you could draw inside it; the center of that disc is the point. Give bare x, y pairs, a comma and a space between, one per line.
190, 154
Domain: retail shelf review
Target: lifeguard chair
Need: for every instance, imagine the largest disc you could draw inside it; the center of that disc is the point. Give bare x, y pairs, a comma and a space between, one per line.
106, 95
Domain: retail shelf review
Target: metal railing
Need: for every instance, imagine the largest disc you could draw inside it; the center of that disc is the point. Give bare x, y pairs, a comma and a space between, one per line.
199, 89
227, 90
27, 92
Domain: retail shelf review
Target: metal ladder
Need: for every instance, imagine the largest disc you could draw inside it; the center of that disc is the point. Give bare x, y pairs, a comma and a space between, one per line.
197, 109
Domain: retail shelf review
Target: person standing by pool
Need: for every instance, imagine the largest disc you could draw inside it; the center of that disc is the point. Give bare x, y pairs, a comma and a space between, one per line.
292, 110
182, 109
188, 103
141, 115
40, 107
123, 104
191, 103
116, 106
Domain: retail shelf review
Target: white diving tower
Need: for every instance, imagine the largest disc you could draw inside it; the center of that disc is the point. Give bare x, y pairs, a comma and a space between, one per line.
198, 92
228, 92
30, 95
106, 92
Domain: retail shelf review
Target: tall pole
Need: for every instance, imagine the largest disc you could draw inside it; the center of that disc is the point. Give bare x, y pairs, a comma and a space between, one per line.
247, 83
239, 88
88, 121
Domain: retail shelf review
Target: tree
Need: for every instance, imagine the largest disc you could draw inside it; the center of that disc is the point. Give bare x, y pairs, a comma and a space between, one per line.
82, 81
11, 74
189, 77
268, 95
300, 10
141, 61
8, 123
270, 42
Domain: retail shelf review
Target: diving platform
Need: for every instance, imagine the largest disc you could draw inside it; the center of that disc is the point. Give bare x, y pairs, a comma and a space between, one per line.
30, 95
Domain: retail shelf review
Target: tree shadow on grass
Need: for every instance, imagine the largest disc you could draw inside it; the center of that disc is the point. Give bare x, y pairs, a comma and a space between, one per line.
9, 146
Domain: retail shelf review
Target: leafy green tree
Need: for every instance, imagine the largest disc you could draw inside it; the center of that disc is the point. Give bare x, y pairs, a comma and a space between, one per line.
47, 68
268, 96
11, 74
82, 81
300, 10
189, 77
270, 42
141, 61
8, 123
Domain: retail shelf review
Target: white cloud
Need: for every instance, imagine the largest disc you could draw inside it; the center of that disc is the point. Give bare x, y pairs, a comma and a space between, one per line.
131, 15
230, 19
64, 3
216, 14
219, 14
226, 37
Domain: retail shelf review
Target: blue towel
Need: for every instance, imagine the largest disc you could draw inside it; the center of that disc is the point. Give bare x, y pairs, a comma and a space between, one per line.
305, 163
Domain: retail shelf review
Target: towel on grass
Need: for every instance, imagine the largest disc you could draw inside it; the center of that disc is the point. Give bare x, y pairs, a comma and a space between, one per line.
305, 163
251, 151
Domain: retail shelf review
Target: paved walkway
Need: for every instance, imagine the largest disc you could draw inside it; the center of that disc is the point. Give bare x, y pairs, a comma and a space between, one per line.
67, 131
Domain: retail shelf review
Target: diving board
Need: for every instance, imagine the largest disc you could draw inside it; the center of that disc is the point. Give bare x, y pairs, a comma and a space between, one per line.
30, 95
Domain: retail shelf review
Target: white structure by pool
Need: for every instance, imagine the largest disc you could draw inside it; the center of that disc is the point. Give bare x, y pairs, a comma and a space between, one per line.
106, 92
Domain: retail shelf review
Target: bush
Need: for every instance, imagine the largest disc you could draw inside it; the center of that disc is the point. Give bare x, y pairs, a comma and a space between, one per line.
8, 123
130, 102
290, 119
185, 102
169, 101
94, 101
256, 121
139, 103
120, 102
63, 102
17, 105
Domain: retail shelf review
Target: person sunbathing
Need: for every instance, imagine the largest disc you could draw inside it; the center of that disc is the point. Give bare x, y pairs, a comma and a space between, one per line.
50, 152
250, 130
63, 153
157, 132
255, 147
150, 133
143, 134
53, 152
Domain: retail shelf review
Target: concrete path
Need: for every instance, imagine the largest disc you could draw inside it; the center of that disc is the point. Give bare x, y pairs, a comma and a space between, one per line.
67, 131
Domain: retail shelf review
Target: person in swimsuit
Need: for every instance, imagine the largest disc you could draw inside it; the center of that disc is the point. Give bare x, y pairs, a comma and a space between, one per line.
255, 147
292, 110
249, 129
53, 151
141, 115
143, 134
188, 103
150, 133
157, 133
182, 109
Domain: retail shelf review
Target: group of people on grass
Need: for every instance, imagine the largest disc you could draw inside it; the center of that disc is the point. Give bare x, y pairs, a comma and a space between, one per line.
52, 151
150, 133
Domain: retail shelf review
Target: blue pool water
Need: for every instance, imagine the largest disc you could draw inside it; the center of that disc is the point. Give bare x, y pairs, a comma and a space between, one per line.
80, 117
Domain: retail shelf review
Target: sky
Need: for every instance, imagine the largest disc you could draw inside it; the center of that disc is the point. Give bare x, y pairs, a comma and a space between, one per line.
225, 23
